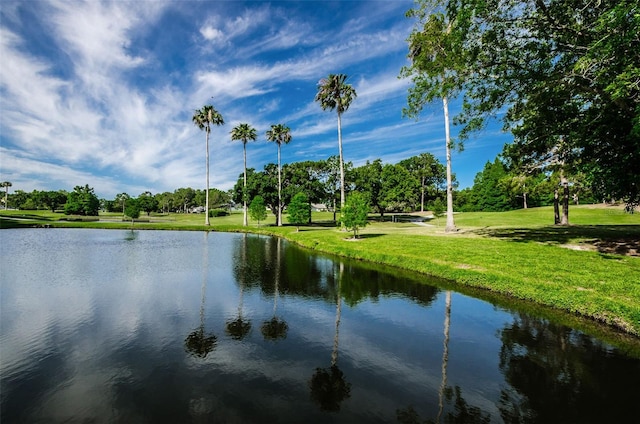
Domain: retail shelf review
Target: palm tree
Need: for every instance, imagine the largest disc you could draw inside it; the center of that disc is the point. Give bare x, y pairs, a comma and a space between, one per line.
280, 134
6, 185
334, 93
244, 133
203, 119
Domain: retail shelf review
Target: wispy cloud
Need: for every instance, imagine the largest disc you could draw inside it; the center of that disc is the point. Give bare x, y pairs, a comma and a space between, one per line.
99, 93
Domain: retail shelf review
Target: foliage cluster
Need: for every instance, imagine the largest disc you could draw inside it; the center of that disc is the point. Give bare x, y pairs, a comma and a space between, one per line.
566, 72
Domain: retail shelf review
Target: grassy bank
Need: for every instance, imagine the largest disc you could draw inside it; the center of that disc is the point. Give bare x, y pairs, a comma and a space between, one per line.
585, 269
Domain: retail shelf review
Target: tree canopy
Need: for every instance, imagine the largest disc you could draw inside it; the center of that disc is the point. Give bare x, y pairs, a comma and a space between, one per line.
566, 72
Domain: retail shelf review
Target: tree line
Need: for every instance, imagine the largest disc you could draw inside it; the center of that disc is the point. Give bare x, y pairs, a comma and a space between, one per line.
414, 184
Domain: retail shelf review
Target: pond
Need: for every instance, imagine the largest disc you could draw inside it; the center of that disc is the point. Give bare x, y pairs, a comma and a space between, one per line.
114, 326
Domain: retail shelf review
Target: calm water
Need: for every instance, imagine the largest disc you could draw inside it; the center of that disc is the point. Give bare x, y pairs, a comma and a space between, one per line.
176, 327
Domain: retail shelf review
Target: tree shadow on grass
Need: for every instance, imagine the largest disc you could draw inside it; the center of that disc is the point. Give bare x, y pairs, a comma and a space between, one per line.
369, 235
610, 239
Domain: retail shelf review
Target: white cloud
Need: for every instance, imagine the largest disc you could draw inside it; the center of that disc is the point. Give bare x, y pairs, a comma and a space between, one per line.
210, 33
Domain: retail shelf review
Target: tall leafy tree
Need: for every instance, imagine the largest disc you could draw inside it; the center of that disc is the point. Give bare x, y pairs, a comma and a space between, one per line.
279, 134
203, 119
438, 70
335, 93
245, 133
567, 73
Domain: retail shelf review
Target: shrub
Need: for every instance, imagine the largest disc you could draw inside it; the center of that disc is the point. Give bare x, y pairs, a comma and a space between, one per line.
214, 213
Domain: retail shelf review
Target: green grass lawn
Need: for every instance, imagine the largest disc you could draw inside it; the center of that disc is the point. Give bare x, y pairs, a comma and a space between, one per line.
585, 269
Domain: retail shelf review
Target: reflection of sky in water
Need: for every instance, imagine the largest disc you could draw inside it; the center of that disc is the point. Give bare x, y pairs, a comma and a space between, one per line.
94, 324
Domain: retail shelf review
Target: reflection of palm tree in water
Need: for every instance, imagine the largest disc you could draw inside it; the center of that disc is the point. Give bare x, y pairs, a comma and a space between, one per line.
239, 327
464, 413
328, 386
275, 328
198, 343
445, 356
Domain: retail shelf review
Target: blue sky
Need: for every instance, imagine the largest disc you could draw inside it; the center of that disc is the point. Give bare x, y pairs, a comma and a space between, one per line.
102, 93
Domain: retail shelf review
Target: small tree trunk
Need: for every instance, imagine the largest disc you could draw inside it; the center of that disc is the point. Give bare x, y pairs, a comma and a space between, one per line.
422, 196
556, 208
565, 202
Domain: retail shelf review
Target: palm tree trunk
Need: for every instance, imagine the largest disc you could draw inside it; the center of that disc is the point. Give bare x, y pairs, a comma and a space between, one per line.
206, 207
244, 191
450, 226
279, 190
342, 199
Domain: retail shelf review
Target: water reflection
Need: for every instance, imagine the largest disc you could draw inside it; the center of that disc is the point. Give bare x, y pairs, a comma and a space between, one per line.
199, 343
240, 327
275, 328
99, 328
328, 385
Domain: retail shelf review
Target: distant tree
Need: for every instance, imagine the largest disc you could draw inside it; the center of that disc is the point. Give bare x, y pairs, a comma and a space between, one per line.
132, 210
299, 211
329, 176
121, 199
18, 199
257, 209
355, 213
368, 182
399, 189
203, 119
244, 133
165, 201
488, 190
280, 134
219, 199
304, 177
82, 201
147, 202
335, 93
52, 200
428, 171
185, 198
6, 185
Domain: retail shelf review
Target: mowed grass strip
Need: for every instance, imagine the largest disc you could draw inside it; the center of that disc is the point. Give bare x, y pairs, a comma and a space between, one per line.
514, 253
